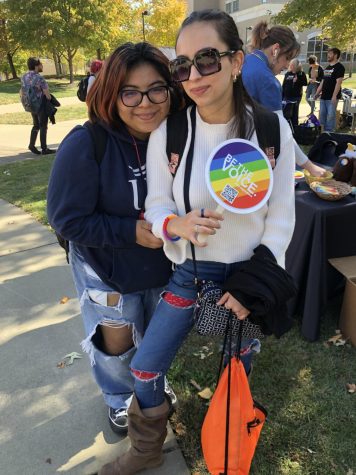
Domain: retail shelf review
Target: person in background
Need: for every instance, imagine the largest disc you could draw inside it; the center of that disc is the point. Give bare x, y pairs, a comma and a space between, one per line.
39, 119
95, 67
272, 50
292, 87
118, 265
329, 90
208, 64
315, 76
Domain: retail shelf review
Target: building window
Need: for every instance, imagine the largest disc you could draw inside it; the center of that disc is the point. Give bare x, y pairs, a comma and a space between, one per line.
318, 47
228, 7
235, 5
264, 1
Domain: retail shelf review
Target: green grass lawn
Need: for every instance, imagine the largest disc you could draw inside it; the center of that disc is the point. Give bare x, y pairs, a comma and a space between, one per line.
25, 185
9, 90
63, 113
311, 422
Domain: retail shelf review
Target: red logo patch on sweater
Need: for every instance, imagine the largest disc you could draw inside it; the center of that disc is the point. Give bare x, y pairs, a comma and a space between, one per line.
270, 155
173, 163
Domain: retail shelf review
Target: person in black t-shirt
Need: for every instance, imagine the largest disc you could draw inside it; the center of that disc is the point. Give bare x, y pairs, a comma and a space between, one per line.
292, 87
329, 89
315, 73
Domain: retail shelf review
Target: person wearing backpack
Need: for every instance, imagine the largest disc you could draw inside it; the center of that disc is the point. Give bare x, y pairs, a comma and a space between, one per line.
95, 200
34, 93
208, 64
86, 83
95, 67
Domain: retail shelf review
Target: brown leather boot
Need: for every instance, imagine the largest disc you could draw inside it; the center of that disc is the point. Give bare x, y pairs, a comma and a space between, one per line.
147, 433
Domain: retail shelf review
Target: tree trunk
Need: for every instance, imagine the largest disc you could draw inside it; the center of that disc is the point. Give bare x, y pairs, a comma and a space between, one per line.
98, 53
70, 65
56, 64
11, 64
351, 63
60, 64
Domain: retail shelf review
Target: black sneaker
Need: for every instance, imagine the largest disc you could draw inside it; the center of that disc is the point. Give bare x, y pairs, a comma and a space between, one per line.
118, 420
34, 150
48, 151
170, 394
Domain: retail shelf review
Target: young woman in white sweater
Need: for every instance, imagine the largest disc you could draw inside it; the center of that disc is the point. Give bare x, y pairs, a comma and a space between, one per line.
223, 110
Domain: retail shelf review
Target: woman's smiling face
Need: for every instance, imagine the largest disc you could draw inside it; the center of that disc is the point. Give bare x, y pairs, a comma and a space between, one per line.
141, 120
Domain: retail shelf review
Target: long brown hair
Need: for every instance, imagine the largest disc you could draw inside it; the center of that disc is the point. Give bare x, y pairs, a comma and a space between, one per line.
226, 28
263, 37
102, 97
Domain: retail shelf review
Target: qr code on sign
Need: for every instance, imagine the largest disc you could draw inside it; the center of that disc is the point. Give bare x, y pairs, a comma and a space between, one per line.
229, 193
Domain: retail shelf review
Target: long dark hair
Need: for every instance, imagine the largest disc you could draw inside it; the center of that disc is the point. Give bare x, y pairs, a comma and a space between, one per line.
263, 37
102, 97
226, 28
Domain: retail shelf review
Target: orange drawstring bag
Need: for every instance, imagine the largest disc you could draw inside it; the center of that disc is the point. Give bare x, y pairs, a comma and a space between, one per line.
234, 421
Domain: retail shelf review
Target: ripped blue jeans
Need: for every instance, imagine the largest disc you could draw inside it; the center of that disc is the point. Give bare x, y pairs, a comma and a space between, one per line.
169, 327
112, 373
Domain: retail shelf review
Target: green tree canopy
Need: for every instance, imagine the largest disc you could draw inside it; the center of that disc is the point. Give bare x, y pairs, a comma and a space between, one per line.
336, 18
67, 25
9, 44
163, 20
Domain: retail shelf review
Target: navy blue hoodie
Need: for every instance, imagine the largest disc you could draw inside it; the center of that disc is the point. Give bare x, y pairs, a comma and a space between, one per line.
96, 208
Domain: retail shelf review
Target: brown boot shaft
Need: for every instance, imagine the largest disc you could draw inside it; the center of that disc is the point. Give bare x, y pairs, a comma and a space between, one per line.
147, 436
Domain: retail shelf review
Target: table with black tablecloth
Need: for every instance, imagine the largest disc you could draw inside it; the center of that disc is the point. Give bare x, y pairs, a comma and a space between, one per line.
324, 229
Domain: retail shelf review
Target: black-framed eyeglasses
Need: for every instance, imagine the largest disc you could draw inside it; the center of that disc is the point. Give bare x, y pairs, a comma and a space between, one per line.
133, 97
207, 61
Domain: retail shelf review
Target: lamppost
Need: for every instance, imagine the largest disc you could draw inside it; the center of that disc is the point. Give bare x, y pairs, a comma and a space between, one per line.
144, 13
247, 29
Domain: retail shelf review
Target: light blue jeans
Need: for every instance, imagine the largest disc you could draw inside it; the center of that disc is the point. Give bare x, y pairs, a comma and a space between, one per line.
112, 373
169, 327
309, 94
327, 115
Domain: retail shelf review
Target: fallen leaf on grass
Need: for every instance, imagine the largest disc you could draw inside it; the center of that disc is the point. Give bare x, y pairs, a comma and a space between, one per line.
195, 384
204, 352
64, 299
337, 339
61, 364
351, 388
206, 393
180, 429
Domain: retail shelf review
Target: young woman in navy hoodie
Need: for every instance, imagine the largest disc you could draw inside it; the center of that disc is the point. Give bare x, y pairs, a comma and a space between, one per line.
118, 265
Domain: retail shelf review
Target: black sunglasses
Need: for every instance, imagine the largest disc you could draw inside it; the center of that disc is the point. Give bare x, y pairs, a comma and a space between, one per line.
207, 61
133, 98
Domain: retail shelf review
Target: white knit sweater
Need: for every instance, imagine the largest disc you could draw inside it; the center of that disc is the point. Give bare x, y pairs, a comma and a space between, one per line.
272, 225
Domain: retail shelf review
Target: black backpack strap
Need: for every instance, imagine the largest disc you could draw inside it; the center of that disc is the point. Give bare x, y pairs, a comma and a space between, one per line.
189, 162
177, 133
99, 137
187, 174
268, 133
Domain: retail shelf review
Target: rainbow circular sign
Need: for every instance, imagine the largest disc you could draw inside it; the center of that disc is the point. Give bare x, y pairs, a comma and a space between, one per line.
239, 176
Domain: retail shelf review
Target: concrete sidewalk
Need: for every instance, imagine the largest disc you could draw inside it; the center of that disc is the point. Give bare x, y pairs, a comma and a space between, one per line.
52, 419
14, 139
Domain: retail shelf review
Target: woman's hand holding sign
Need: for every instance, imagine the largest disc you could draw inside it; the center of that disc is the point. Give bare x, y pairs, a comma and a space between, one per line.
204, 221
